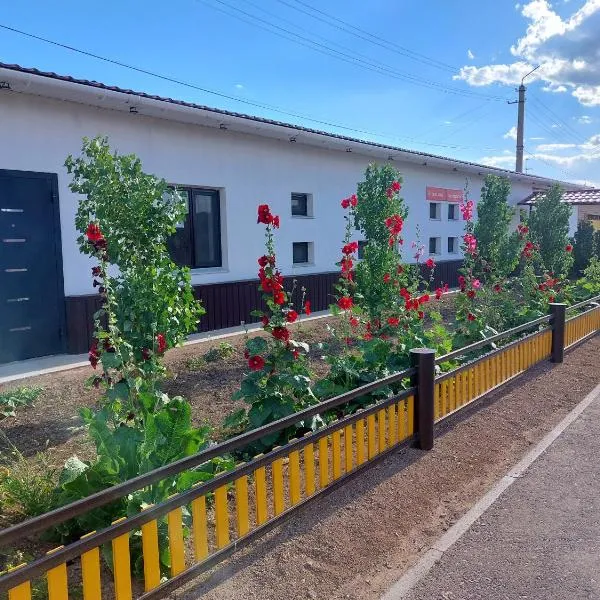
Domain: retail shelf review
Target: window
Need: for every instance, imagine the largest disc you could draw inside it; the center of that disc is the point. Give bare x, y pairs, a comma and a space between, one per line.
452, 212
452, 245
361, 248
435, 245
302, 253
197, 241
302, 205
435, 211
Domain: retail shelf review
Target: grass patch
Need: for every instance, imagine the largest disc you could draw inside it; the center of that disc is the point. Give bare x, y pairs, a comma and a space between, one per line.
16, 398
222, 351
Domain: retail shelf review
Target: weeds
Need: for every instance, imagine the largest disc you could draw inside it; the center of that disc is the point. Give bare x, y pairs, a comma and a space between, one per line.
222, 351
16, 398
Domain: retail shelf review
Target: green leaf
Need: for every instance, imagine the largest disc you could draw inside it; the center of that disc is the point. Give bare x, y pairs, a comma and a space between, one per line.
257, 346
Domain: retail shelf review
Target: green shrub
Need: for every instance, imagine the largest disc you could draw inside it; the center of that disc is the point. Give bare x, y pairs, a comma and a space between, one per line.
583, 248
17, 397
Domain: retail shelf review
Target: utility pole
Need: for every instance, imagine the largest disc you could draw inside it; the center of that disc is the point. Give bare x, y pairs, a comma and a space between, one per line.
521, 122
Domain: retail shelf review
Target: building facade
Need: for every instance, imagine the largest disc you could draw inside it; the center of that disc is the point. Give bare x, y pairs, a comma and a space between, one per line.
224, 164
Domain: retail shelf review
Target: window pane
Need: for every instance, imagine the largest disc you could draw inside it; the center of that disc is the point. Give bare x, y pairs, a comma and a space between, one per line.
451, 245
434, 210
300, 252
180, 243
431, 245
452, 212
207, 228
300, 205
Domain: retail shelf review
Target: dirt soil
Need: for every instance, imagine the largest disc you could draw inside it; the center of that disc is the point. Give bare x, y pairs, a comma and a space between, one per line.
53, 423
355, 542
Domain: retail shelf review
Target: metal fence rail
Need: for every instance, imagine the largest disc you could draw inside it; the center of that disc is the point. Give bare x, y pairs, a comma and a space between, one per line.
236, 507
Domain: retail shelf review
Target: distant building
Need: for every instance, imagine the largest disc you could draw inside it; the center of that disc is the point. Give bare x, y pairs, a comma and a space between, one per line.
225, 164
585, 203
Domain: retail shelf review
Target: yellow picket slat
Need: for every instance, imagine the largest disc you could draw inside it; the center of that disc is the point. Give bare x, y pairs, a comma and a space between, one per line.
451, 394
336, 452
278, 492
175, 528
392, 427
309, 469
410, 415
360, 441
260, 483
90, 573
381, 430
294, 475
445, 397
150, 553
58, 584
199, 527
121, 566
221, 517
348, 449
242, 518
436, 402
371, 437
323, 462
21, 591
401, 409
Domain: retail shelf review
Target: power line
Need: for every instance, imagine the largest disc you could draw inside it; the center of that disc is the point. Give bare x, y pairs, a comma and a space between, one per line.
343, 56
369, 37
229, 97
558, 120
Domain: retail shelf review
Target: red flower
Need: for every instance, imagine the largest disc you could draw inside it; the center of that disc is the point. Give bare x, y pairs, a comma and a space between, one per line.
347, 264
400, 270
405, 294
93, 233
386, 278
291, 316
264, 214
295, 354
523, 230
424, 298
353, 200
267, 285
345, 203
279, 297
420, 314
345, 302
551, 299
354, 322
394, 224
276, 221
471, 317
281, 333
569, 248
96, 271
93, 355
396, 186
264, 320
471, 294
393, 321
307, 310
497, 288
350, 248
162, 343
368, 336
256, 363
438, 293
146, 353
263, 261
430, 263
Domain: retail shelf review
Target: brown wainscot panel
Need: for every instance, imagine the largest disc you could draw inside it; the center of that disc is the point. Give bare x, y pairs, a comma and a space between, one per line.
228, 304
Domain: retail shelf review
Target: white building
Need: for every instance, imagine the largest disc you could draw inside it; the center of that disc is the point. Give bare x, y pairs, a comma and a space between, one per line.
227, 163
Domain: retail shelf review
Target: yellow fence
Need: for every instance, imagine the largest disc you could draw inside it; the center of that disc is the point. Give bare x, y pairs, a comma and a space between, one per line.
234, 508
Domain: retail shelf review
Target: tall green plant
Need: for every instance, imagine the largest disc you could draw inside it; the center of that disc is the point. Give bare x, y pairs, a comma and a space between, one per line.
496, 244
549, 229
583, 248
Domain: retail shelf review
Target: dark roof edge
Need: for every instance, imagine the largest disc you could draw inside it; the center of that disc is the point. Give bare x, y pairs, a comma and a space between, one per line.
220, 111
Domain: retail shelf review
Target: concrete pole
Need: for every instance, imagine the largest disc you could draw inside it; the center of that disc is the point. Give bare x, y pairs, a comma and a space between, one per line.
520, 129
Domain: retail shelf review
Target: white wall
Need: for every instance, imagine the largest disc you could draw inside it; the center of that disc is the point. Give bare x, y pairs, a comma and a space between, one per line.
39, 133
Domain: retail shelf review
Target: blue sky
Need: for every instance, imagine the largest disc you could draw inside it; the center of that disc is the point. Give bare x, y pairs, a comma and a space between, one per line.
358, 71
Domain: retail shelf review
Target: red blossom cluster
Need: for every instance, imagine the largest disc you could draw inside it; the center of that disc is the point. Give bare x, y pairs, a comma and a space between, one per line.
569, 248
439, 292
523, 230
394, 225
528, 249
96, 238
393, 189
351, 201
466, 208
265, 216
470, 243
430, 263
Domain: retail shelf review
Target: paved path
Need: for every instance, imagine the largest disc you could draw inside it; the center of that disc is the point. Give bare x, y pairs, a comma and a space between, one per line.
541, 539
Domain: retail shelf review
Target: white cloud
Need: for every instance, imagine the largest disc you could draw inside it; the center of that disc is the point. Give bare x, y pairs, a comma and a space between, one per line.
239, 86
584, 119
447, 122
470, 54
511, 134
503, 161
568, 50
554, 147
535, 139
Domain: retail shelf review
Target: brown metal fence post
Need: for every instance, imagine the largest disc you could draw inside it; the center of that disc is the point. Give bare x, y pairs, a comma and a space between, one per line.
424, 380
557, 310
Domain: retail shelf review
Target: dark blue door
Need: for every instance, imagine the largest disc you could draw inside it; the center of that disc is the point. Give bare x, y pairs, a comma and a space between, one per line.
31, 286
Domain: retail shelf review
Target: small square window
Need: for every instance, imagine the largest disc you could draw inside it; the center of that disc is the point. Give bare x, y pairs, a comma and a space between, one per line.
302, 253
300, 206
361, 248
452, 245
435, 245
452, 212
435, 211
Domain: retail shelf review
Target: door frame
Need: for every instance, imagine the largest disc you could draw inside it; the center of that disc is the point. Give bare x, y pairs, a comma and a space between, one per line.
57, 238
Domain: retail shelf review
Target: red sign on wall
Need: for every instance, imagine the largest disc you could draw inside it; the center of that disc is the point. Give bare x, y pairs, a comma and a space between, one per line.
443, 194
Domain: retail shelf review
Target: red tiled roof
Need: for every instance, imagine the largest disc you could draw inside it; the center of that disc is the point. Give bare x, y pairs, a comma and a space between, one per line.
570, 197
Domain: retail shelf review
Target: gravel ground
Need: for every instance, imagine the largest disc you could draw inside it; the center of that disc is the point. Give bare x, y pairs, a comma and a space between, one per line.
358, 540
541, 538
